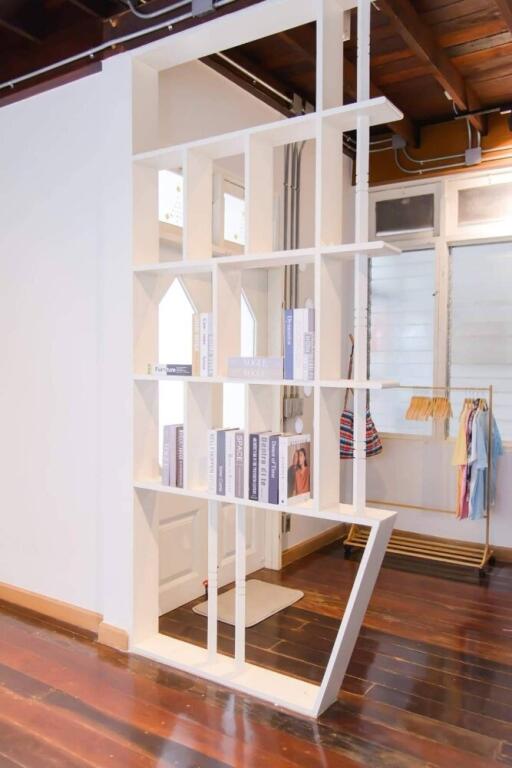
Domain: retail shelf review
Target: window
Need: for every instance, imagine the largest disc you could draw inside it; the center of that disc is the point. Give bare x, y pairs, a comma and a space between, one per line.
402, 307
234, 219
404, 215
478, 205
234, 394
170, 198
175, 311
481, 325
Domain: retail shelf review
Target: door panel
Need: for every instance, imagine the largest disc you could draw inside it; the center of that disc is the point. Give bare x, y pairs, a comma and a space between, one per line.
183, 547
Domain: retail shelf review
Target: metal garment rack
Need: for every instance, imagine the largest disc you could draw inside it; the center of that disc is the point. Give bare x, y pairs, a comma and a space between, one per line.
423, 547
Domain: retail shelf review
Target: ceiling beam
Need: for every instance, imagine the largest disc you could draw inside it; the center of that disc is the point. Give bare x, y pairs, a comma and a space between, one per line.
505, 8
422, 43
405, 127
19, 30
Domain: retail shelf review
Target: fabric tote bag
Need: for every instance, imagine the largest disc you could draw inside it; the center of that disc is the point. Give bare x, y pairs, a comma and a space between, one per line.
373, 442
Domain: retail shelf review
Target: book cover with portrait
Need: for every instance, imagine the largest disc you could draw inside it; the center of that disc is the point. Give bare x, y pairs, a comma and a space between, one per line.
294, 468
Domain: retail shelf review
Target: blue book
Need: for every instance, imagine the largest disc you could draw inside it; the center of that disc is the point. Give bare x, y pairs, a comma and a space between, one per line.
288, 343
254, 444
273, 474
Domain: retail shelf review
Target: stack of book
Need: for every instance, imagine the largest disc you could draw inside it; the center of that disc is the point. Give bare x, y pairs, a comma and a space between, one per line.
255, 367
202, 344
172, 456
226, 462
279, 467
299, 344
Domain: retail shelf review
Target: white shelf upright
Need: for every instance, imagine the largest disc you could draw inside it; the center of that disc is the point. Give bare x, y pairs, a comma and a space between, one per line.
216, 285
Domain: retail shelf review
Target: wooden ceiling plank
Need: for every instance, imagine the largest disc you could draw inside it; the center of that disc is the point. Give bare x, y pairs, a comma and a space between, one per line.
16, 29
505, 8
421, 41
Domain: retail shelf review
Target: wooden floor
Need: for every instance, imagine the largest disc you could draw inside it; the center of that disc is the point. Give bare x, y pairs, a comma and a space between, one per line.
430, 683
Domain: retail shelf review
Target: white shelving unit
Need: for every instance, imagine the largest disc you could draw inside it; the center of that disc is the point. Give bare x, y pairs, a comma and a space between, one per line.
216, 284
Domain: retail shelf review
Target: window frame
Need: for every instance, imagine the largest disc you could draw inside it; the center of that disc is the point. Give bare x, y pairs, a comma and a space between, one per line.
445, 235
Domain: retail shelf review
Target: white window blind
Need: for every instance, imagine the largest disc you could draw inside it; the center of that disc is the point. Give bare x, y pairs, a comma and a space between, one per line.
402, 305
481, 326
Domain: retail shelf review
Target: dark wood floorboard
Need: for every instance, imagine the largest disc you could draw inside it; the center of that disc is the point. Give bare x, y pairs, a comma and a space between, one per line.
429, 684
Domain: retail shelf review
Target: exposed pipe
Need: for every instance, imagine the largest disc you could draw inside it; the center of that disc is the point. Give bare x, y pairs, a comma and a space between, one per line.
419, 172
255, 79
91, 52
154, 14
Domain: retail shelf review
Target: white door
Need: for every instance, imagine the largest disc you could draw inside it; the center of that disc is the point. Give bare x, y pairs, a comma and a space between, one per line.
183, 549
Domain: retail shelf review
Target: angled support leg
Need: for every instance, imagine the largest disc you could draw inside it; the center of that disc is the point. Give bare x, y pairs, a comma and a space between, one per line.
354, 613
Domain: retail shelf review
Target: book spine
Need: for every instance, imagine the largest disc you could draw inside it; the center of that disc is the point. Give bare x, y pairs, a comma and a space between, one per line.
196, 345
309, 345
221, 463
273, 479
166, 456
210, 344
283, 470
263, 464
170, 369
179, 457
212, 461
239, 465
288, 343
253, 466
203, 340
230, 463
298, 343
172, 455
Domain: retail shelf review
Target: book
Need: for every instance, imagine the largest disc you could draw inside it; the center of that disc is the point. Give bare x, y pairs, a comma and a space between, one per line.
288, 344
239, 464
170, 450
206, 343
212, 461
307, 371
196, 345
253, 466
273, 474
294, 468
169, 369
179, 456
255, 367
221, 463
230, 462
298, 344
166, 456
264, 466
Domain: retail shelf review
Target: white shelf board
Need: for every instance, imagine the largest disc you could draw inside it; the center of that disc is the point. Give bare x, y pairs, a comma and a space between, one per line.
281, 690
243, 261
379, 110
180, 267
349, 250
350, 384
340, 513
286, 131
225, 380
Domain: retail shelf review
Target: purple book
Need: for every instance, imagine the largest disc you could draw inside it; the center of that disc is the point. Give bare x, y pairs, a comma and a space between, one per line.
273, 475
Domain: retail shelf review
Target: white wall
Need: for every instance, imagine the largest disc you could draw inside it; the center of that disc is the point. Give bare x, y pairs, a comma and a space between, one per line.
56, 163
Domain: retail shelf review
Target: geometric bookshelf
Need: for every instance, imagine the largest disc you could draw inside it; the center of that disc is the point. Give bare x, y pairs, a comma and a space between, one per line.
217, 285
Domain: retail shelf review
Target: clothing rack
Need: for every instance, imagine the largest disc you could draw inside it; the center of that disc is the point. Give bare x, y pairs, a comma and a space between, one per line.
431, 548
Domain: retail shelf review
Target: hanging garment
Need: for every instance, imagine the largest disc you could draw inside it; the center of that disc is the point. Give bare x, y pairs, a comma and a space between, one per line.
460, 458
480, 464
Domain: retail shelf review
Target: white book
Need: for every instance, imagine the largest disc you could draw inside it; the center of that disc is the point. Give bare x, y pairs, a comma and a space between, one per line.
169, 454
308, 344
230, 462
264, 466
294, 468
206, 343
298, 344
212, 461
